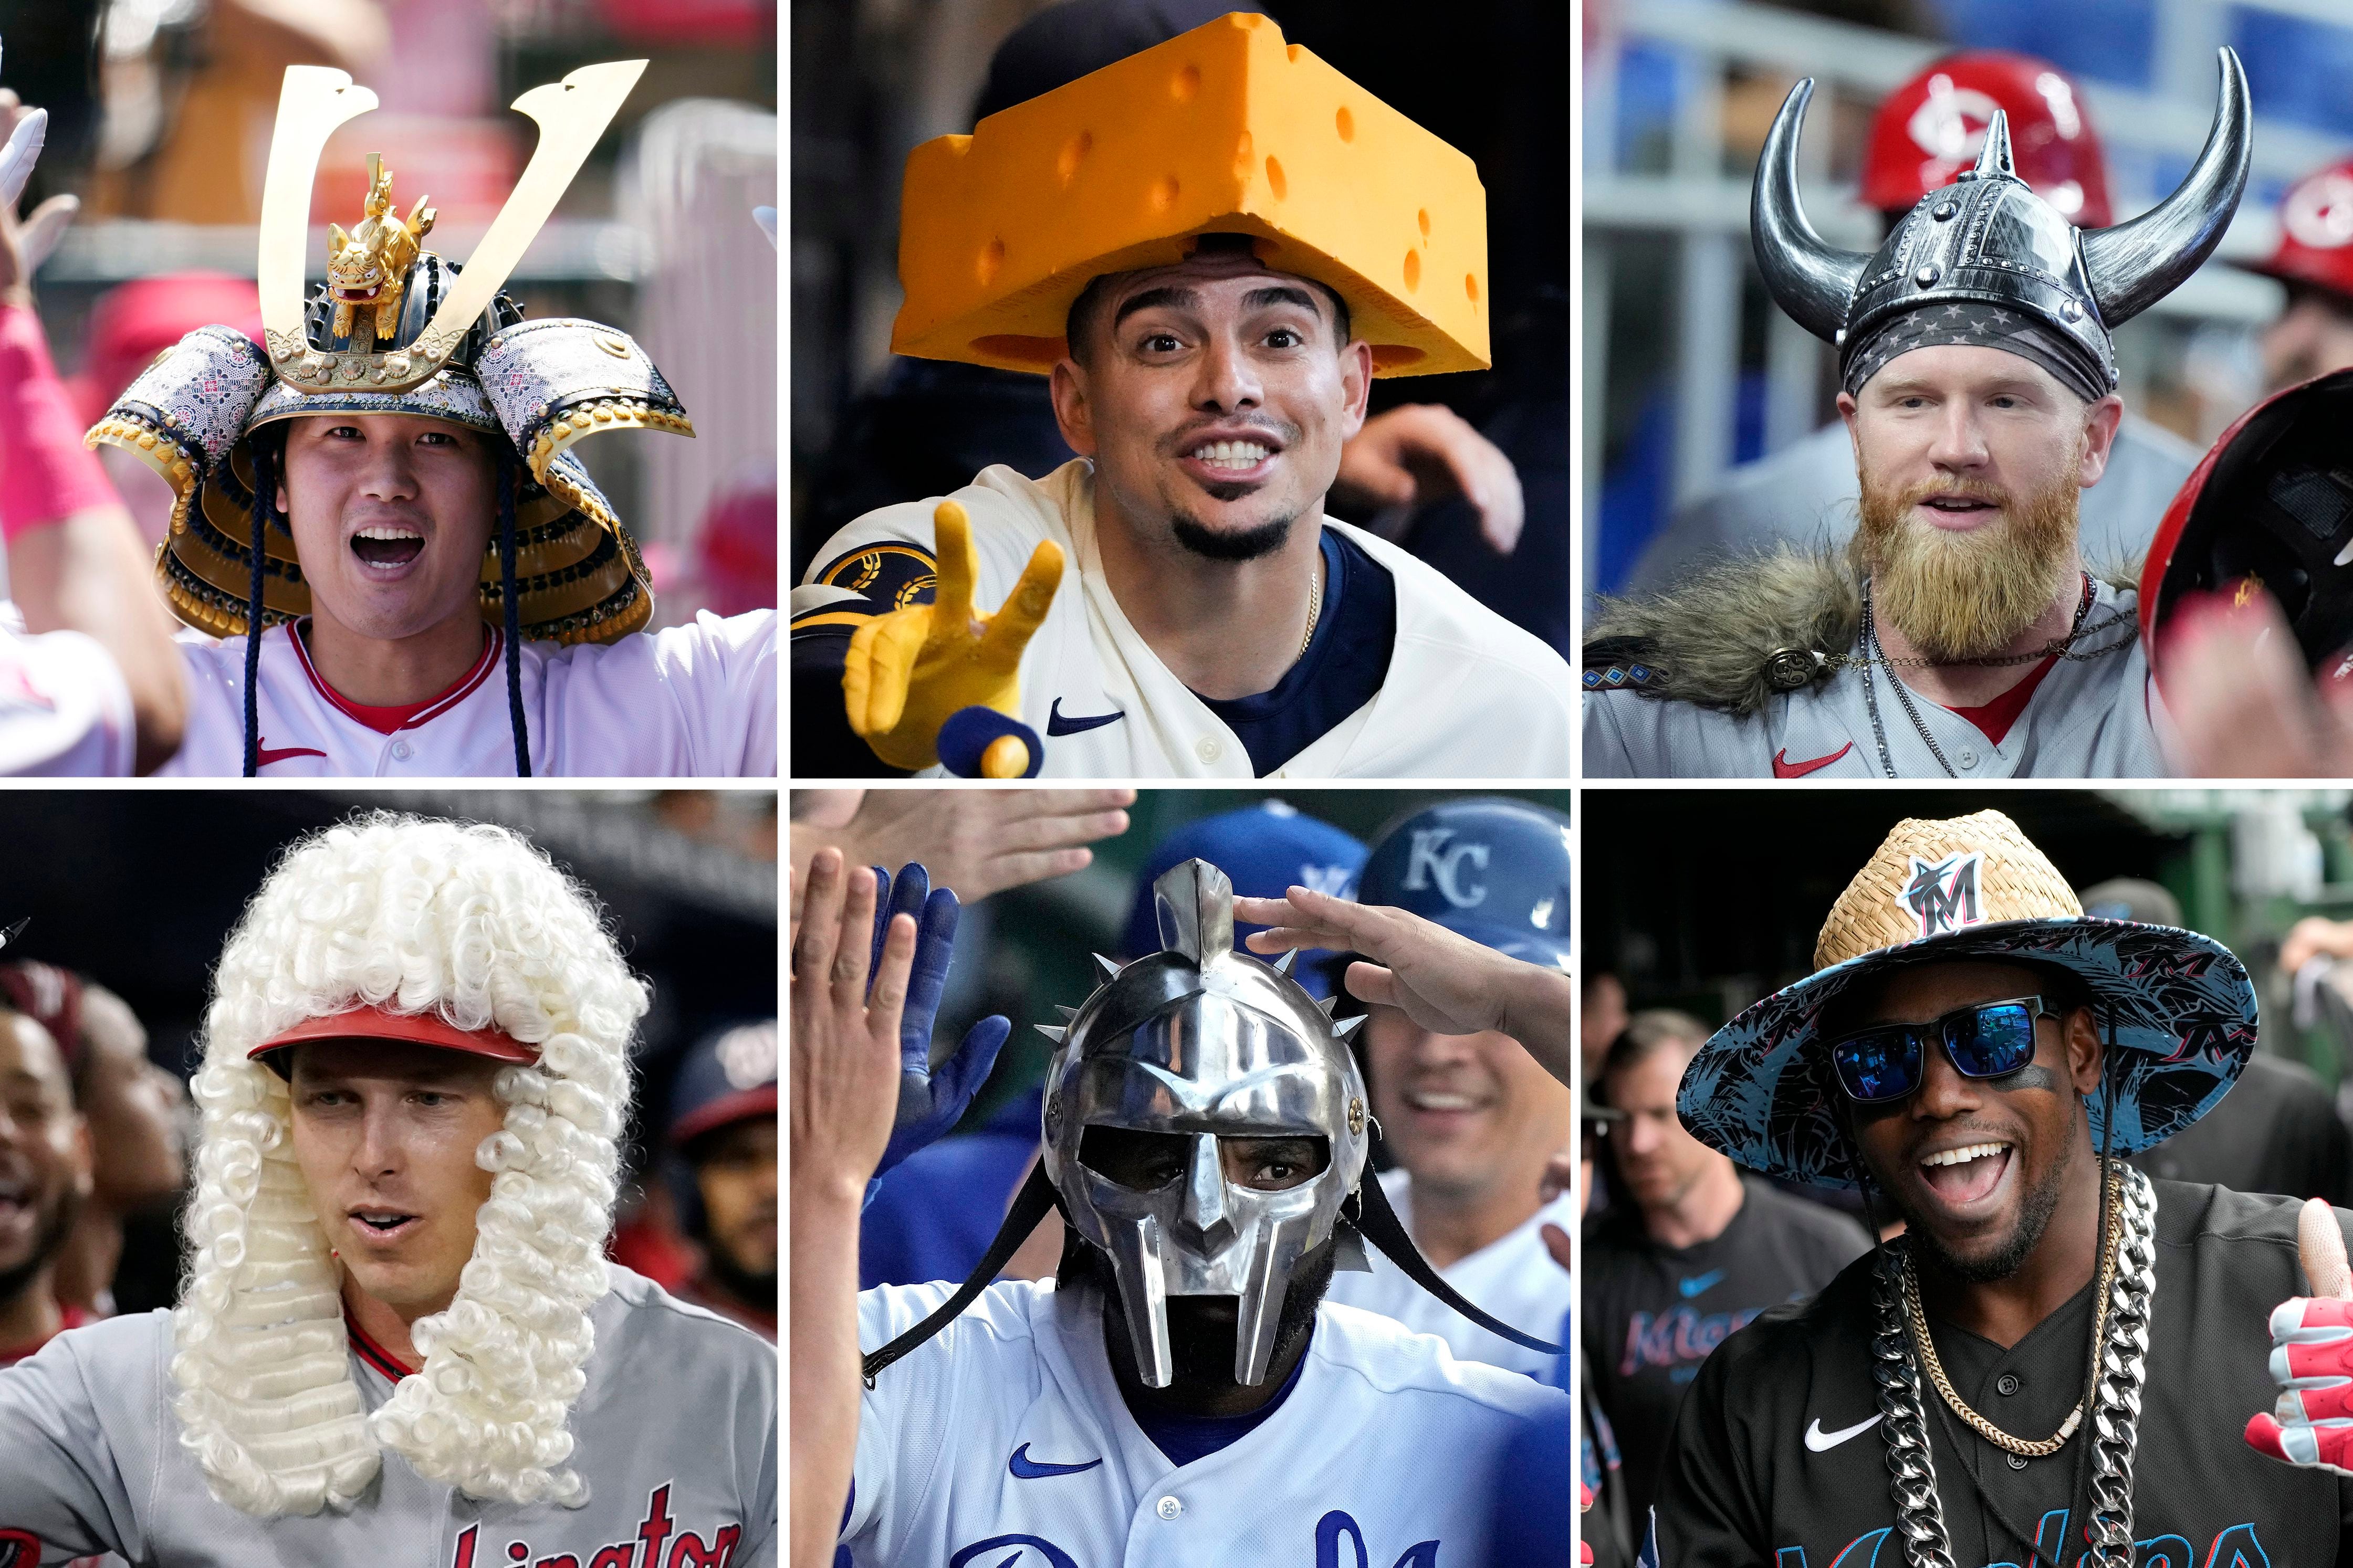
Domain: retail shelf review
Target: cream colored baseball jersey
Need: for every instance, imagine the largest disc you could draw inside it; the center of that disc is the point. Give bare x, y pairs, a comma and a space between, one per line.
64, 708
1467, 693
691, 702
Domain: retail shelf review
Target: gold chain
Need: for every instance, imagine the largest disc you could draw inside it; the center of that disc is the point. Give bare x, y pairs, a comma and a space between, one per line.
1978, 1424
1314, 609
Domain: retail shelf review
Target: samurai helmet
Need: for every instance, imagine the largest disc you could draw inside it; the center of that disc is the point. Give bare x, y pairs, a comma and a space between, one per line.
1200, 1042
1989, 240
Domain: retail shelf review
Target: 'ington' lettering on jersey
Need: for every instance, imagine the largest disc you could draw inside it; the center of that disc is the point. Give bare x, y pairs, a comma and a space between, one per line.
654, 1531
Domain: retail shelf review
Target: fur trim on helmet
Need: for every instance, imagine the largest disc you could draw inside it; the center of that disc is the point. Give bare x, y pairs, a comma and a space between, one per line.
474, 923
1711, 640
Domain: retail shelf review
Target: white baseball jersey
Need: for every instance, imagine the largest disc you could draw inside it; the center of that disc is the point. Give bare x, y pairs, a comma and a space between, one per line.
1468, 693
1005, 1440
691, 702
64, 708
675, 1435
1512, 1277
1805, 495
2094, 718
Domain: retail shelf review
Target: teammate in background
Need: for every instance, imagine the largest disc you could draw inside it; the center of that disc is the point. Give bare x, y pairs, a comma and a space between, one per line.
89, 680
2312, 333
133, 1107
387, 500
722, 1124
1600, 1015
1925, 132
1176, 602
976, 841
1470, 1119
933, 1216
1962, 635
2054, 1330
1690, 1251
2277, 1131
402, 1197
44, 1179
1227, 1410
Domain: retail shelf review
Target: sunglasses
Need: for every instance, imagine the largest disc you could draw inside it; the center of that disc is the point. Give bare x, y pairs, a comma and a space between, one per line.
1886, 1061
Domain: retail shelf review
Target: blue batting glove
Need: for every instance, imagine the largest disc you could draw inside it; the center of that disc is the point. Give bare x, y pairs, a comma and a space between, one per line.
951, 1090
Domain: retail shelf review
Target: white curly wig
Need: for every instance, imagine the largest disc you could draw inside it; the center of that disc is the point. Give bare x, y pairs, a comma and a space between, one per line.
413, 916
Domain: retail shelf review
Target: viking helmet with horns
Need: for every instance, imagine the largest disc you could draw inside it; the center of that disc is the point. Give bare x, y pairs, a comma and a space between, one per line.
1988, 239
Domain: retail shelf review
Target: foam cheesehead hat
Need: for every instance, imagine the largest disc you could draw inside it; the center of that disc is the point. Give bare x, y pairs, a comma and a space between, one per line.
398, 329
454, 937
2175, 1007
1224, 129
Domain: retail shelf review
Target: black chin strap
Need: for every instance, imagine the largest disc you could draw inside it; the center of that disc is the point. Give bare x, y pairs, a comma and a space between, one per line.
1030, 1206
1378, 1223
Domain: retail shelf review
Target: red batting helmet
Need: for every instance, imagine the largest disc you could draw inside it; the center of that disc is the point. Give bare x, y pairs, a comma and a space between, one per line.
2270, 507
1930, 129
2315, 242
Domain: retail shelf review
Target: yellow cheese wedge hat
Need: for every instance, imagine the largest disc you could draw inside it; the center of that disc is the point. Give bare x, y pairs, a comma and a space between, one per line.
1223, 130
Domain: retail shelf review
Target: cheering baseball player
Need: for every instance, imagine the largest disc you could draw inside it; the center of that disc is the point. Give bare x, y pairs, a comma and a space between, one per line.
2058, 1360
1960, 635
398, 1340
1175, 602
394, 563
1179, 1392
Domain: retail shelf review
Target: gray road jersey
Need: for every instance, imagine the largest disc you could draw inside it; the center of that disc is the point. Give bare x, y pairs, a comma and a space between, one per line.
675, 1433
2089, 719
1805, 495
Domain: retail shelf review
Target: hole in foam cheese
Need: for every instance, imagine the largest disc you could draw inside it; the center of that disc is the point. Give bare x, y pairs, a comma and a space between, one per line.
1223, 130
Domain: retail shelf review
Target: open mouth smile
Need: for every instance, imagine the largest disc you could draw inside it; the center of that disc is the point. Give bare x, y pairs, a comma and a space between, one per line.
1959, 512
1232, 458
382, 1226
1967, 1178
387, 549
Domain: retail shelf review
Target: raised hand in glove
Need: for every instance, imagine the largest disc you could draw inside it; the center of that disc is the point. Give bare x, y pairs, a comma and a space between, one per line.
2312, 1356
911, 671
930, 1102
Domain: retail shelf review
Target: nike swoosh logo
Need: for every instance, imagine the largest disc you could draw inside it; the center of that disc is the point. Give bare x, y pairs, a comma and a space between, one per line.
1026, 1468
1699, 1284
1783, 768
1058, 725
263, 756
1820, 1442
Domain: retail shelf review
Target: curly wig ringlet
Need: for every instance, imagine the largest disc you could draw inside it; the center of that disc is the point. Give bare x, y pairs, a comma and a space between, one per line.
412, 915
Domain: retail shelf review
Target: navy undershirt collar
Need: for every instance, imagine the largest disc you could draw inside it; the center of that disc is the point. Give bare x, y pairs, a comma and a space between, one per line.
1345, 662
1185, 1438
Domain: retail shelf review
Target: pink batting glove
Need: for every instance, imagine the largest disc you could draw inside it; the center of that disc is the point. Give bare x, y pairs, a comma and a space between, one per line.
2312, 1356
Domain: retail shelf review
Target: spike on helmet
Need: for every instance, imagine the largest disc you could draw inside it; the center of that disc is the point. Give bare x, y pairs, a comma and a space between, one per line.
1931, 128
1989, 238
1200, 1042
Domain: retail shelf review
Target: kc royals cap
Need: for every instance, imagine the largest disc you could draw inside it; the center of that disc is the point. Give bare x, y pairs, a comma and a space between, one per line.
1490, 868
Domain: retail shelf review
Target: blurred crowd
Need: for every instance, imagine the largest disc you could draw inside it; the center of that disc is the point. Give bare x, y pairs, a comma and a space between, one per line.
1681, 1247
95, 1119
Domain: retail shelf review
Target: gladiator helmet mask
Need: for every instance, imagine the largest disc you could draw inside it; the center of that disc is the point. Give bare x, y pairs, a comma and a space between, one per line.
1204, 1043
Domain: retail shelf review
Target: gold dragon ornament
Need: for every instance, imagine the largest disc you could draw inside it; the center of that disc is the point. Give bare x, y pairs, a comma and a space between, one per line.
367, 269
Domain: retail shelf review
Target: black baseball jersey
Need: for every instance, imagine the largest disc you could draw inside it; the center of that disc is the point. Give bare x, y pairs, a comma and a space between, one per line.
1652, 1314
2277, 1131
1780, 1457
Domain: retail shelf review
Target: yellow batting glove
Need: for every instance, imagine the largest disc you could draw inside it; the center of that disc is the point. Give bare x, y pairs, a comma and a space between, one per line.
911, 669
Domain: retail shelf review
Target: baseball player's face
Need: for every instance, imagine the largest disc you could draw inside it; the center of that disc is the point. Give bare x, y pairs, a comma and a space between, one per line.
1979, 1166
737, 1177
386, 1133
2312, 337
45, 1153
1473, 1117
1214, 398
1657, 1156
391, 516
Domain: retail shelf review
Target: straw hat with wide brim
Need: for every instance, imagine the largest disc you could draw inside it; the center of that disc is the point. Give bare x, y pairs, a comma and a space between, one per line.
2176, 1006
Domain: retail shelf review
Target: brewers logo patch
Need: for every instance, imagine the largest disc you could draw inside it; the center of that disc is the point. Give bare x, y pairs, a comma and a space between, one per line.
892, 576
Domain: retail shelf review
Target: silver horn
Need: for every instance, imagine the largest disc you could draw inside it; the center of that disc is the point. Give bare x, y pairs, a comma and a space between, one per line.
2136, 264
1809, 278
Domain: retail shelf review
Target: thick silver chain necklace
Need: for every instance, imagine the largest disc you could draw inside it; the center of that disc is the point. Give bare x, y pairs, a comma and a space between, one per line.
1867, 638
2119, 1375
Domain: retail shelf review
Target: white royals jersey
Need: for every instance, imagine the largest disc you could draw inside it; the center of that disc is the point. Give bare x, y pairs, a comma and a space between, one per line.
692, 702
1468, 693
64, 708
1513, 1279
1005, 1441
675, 1435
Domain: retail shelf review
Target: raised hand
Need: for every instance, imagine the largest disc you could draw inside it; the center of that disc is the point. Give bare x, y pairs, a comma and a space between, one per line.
2312, 1356
847, 1002
929, 1100
910, 671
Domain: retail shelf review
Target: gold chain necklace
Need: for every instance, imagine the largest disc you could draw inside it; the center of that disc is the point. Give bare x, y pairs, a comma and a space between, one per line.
1978, 1424
1314, 609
